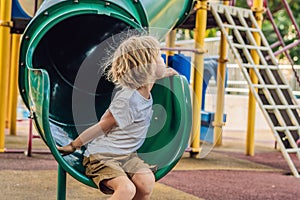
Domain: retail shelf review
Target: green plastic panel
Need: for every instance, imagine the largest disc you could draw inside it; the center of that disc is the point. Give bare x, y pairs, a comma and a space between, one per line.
171, 123
166, 14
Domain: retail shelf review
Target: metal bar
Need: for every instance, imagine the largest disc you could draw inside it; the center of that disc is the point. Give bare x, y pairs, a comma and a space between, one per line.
287, 47
201, 17
280, 128
267, 86
218, 120
30, 137
293, 150
251, 47
240, 28
257, 6
170, 43
276, 44
290, 13
277, 32
179, 49
281, 106
13, 91
5, 16
273, 67
61, 183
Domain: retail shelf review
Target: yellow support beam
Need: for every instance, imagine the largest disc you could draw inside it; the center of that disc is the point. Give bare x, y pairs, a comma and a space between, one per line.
218, 120
7, 115
200, 29
258, 9
5, 25
170, 42
13, 86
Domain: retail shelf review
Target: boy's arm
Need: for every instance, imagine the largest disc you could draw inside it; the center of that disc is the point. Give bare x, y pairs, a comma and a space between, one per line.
106, 123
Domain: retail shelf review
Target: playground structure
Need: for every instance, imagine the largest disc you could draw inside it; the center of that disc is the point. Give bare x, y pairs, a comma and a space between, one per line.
35, 91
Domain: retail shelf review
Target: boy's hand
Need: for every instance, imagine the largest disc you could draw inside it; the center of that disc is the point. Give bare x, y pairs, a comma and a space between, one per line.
170, 72
66, 150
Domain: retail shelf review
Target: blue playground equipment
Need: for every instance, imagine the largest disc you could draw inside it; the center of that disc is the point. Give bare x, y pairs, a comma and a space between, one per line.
18, 11
19, 17
181, 63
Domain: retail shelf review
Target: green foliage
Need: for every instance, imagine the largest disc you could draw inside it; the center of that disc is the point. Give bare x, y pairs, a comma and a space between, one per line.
212, 32
284, 24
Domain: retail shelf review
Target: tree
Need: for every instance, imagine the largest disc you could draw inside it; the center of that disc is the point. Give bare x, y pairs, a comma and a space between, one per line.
284, 25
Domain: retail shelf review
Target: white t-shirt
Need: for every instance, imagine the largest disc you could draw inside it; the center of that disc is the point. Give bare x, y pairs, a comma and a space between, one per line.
132, 113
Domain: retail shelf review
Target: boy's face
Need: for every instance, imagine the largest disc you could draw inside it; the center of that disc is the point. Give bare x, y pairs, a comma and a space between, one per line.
160, 67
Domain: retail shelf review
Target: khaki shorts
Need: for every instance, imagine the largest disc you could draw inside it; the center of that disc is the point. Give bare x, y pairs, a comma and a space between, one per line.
101, 167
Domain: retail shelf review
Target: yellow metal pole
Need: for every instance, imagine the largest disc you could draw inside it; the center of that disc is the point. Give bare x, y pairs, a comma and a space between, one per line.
7, 116
200, 28
5, 25
13, 91
258, 9
218, 120
170, 42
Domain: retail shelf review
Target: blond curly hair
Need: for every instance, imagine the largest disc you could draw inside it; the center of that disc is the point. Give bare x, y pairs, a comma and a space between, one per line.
133, 61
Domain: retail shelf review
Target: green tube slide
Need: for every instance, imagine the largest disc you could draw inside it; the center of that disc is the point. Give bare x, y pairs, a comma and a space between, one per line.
66, 37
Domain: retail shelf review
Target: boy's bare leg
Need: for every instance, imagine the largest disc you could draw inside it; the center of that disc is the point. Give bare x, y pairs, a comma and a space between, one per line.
123, 188
144, 181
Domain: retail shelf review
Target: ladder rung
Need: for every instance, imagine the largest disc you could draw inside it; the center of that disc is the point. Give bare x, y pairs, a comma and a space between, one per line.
281, 106
263, 86
241, 28
275, 44
293, 150
285, 128
247, 65
242, 46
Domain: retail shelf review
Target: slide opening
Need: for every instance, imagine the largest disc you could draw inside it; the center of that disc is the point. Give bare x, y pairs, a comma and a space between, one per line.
64, 50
